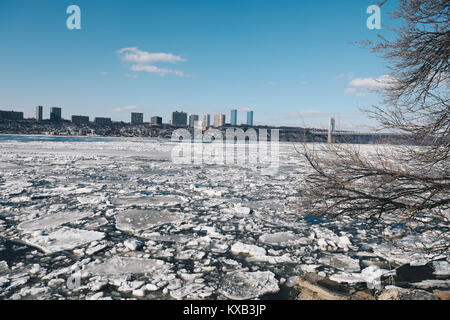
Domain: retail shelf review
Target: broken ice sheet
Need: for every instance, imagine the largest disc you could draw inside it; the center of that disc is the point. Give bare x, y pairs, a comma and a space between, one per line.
341, 262
126, 265
283, 239
248, 285
139, 220
52, 220
155, 200
62, 239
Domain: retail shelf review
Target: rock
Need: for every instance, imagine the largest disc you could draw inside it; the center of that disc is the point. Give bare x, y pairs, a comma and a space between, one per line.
443, 295
363, 295
314, 287
396, 293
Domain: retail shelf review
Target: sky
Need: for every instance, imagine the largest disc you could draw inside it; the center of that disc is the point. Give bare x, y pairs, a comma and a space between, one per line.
291, 62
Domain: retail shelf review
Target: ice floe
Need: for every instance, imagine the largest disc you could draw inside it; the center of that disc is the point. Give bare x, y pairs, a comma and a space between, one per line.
139, 220
62, 239
248, 285
52, 220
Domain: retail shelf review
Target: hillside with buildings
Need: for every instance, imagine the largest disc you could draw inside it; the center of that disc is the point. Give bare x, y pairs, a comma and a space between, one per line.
14, 123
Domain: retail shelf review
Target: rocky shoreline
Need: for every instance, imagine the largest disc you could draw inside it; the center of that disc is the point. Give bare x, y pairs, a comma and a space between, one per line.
314, 287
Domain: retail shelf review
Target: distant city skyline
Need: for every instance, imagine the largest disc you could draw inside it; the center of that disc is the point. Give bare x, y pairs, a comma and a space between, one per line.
291, 61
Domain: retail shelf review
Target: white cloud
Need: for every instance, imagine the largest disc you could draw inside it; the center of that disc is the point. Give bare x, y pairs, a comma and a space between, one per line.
135, 55
355, 92
144, 61
127, 108
103, 73
348, 76
155, 69
372, 84
361, 86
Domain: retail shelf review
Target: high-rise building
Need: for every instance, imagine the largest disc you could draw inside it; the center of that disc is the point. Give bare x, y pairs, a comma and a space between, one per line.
234, 117
137, 118
80, 120
193, 118
219, 120
55, 114
103, 121
179, 118
206, 120
250, 118
11, 115
39, 112
157, 121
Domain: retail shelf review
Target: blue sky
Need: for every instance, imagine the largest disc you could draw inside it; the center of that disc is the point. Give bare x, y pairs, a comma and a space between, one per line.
289, 61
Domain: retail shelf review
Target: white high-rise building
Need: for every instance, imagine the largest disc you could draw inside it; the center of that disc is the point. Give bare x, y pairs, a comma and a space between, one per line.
206, 120
219, 120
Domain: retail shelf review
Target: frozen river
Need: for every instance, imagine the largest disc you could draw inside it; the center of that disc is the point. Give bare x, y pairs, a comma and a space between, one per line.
101, 218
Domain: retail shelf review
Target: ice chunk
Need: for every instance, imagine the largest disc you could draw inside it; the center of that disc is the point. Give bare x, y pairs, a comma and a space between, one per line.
156, 200
400, 256
155, 236
370, 275
441, 268
283, 239
125, 265
52, 220
133, 244
341, 262
95, 223
248, 285
91, 199
271, 259
188, 290
139, 220
3, 266
63, 239
247, 249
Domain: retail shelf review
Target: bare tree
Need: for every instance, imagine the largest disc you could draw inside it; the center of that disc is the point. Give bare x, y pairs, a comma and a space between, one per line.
410, 182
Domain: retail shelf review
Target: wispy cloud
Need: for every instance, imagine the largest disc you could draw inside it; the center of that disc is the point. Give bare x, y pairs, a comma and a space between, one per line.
103, 73
135, 55
348, 76
355, 92
127, 108
144, 61
154, 69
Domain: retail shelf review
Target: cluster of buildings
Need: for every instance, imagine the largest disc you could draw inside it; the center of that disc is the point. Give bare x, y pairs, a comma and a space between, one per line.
219, 120
178, 118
